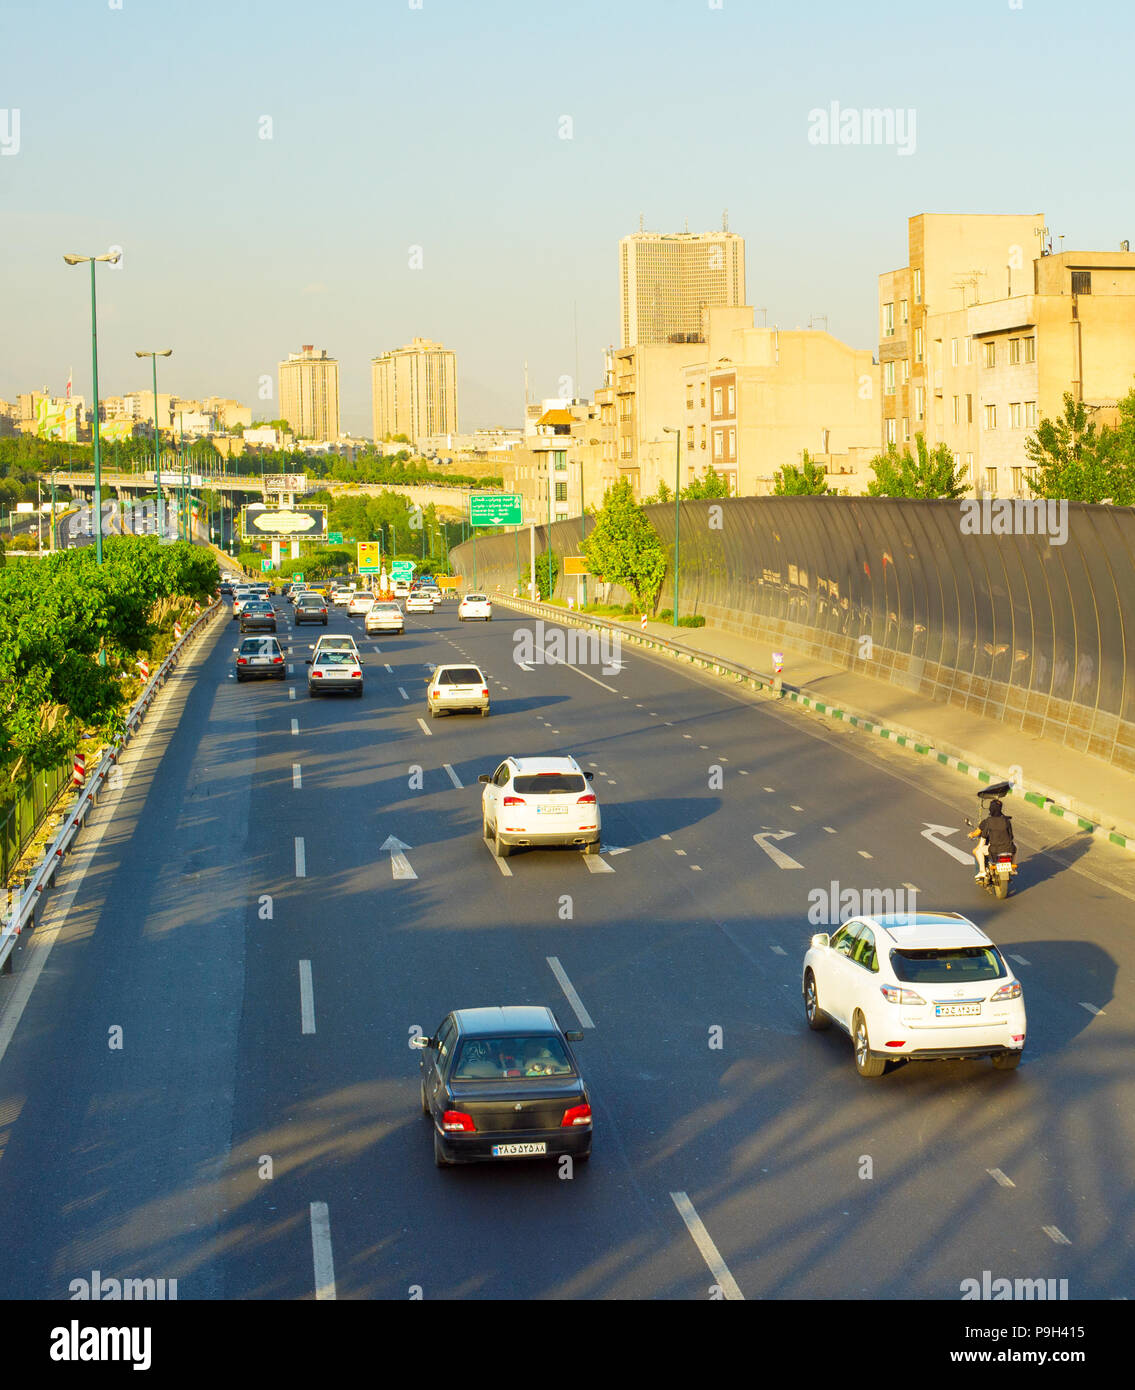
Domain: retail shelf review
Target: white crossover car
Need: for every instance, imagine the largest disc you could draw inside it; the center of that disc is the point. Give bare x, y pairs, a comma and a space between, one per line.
384, 616
360, 602
539, 801
419, 602
475, 606
926, 986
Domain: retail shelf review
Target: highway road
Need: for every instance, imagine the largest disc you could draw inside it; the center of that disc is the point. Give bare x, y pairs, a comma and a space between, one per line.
211, 1079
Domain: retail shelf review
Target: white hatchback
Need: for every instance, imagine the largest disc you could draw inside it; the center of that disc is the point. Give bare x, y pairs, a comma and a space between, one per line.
419, 602
539, 801
384, 616
360, 602
926, 986
475, 606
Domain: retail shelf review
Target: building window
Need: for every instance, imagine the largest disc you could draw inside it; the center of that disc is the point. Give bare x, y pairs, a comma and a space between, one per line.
889, 378
906, 429
969, 469
703, 432
904, 311
991, 481
561, 492
888, 320
1017, 472
1016, 419
989, 354
1030, 350
990, 417
892, 436
904, 371
730, 400
919, 403
732, 446
969, 410
718, 440
717, 402
1014, 351
1030, 414
918, 286
957, 410
953, 352
690, 402
1081, 282
689, 436
918, 344
703, 395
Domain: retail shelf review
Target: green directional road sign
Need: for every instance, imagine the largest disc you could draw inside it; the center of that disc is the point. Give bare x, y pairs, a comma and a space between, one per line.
336, 537
402, 569
495, 509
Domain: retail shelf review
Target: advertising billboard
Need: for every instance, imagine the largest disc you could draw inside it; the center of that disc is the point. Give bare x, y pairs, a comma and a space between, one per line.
284, 523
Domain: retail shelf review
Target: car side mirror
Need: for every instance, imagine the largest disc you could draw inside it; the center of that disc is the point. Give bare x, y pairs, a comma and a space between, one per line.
422, 1043
590, 776
484, 777
307, 661
574, 1036
821, 939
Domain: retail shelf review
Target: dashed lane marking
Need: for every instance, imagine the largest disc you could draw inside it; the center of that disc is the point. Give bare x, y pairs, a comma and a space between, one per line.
453, 777
706, 1248
297, 780
301, 858
585, 1020
321, 1251
307, 998
999, 1178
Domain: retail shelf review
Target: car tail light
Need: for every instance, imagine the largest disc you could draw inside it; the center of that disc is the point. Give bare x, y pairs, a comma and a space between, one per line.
513, 801
895, 995
577, 1115
901, 1043
1010, 991
277, 661
456, 1121
355, 673
588, 800
317, 674
242, 661
485, 693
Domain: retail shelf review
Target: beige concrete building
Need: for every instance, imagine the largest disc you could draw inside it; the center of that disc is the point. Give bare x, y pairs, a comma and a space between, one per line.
414, 391
557, 470
666, 280
309, 393
983, 363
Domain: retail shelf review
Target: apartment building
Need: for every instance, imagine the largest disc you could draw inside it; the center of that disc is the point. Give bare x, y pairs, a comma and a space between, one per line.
666, 280
558, 468
309, 393
414, 391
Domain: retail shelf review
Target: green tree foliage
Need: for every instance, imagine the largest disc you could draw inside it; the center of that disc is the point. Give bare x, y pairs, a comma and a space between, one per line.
1080, 462
710, 485
55, 616
664, 494
930, 473
807, 480
623, 548
547, 572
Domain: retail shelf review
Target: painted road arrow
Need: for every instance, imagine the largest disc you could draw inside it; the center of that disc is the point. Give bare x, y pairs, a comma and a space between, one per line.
778, 856
932, 832
398, 861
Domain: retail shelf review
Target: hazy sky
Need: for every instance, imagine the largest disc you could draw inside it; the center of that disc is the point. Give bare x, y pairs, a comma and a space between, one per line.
437, 124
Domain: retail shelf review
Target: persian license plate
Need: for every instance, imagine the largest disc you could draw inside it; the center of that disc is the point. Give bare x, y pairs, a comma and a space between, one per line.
519, 1150
551, 810
956, 1010
261, 660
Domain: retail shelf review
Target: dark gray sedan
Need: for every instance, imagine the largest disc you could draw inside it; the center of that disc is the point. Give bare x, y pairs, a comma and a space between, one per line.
502, 1083
311, 608
257, 615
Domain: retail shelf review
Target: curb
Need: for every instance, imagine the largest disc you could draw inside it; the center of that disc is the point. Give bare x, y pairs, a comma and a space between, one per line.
1055, 803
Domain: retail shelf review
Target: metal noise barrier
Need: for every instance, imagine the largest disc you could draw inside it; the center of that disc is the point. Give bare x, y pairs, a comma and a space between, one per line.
21, 903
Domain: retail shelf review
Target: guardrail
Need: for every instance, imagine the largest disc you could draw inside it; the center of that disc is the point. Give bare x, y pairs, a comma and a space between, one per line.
22, 904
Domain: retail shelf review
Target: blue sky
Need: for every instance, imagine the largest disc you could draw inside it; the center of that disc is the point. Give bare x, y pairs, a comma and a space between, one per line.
439, 127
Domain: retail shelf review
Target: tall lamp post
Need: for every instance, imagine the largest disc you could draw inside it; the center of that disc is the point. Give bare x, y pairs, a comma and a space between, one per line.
112, 257
154, 355
677, 433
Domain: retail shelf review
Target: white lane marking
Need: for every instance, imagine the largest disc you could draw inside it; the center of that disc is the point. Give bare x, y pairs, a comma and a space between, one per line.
679, 851
425, 728
402, 692
695, 868
743, 772
830, 829
689, 736
291, 692
595, 865
399, 864
291, 668
301, 859
666, 837
797, 808
780, 951
1054, 1233
453, 777
1091, 1008
307, 998
524, 666
503, 687
706, 1248
770, 789
297, 776
1019, 959
913, 887
999, 1178
321, 1251
502, 864
932, 832
613, 849
863, 854
390, 668
704, 747
592, 764
778, 856
295, 726
568, 988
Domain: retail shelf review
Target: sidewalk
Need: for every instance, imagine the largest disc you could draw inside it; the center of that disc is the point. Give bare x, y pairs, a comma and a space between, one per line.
1095, 796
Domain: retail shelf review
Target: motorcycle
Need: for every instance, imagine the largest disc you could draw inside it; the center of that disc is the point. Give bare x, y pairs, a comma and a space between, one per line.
999, 868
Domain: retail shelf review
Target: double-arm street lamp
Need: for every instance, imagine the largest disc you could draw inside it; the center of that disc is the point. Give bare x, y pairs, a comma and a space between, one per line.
154, 355
677, 433
112, 257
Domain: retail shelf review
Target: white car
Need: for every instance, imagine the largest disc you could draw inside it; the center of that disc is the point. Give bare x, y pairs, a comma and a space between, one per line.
475, 606
295, 591
340, 595
384, 616
360, 602
434, 593
539, 801
329, 642
401, 589
419, 602
241, 596
453, 688
926, 986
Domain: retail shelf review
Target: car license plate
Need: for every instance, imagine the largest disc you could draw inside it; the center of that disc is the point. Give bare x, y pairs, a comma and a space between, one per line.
956, 1010
261, 660
519, 1150
551, 810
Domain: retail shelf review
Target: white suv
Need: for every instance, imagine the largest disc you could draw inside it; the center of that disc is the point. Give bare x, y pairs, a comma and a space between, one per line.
539, 801
926, 986
475, 606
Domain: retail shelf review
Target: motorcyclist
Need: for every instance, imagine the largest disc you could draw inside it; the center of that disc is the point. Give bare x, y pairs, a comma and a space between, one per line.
994, 836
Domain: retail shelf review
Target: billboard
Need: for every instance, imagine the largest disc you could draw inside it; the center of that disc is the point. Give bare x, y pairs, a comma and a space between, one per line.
285, 482
284, 523
369, 557
56, 419
114, 430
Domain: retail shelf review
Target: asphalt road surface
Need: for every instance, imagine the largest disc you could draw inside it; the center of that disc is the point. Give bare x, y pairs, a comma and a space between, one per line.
211, 1079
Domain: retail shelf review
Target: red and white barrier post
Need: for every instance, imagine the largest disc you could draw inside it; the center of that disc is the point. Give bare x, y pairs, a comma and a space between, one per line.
79, 770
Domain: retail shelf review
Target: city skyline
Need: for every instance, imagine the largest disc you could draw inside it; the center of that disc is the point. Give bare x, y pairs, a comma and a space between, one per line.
477, 259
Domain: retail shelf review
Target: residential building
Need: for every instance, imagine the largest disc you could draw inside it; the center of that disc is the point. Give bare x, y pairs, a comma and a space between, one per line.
414, 391
667, 279
309, 393
557, 469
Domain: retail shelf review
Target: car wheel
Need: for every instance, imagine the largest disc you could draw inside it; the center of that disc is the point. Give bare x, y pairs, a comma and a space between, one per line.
502, 851
282, 676
239, 679
439, 1153
433, 712
312, 692
425, 1102
865, 1064
359, 693
583, 1157
1007, 1061
817, 1019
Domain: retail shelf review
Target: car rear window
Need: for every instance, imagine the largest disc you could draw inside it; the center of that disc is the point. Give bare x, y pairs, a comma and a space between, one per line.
947, 965
500, 1059
461, 675
545, 783
476, 598
259, 646
336, 657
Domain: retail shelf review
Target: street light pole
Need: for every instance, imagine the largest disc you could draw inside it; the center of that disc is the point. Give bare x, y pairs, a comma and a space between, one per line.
677, 433
112, 257
154, 355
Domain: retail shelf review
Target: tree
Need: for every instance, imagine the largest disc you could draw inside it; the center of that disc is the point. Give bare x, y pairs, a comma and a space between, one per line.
662, 495
623, 548
932, 473
710, 485
1079, 462
547, 571
808, 480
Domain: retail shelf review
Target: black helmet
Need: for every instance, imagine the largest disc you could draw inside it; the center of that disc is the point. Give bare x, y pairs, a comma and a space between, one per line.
995, 808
